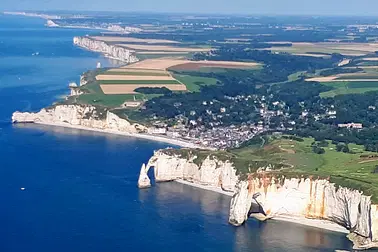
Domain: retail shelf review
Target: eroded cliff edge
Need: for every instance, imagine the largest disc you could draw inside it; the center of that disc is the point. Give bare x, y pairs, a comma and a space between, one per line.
271, 196
79, 115
110, 51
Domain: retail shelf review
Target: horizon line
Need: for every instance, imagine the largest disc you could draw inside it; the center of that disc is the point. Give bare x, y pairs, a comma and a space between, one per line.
266, 14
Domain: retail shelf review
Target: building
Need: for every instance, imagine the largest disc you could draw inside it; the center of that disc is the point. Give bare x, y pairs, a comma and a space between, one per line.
350, 125
131, 104
161, 131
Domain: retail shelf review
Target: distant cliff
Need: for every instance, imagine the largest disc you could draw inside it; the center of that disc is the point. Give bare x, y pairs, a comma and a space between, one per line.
111, 51
269, 196
78, 115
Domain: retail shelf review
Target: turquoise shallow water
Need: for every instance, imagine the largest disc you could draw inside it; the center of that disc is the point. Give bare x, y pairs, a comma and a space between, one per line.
81, 192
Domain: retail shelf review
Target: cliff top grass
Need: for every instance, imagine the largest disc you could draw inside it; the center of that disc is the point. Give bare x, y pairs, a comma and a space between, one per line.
93, 94
294, 157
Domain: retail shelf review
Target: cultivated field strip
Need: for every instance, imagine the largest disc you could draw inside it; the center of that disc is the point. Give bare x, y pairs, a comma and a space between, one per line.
133, 40
163, 48
110, 89
133, 77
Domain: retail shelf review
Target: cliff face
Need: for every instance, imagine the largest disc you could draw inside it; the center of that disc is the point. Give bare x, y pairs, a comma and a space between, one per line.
211, 172
111, 51
78, 115
273, 197
316, 199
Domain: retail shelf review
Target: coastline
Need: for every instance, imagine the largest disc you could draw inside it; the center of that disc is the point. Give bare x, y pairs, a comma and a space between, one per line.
162, 139
208, 188
315, 223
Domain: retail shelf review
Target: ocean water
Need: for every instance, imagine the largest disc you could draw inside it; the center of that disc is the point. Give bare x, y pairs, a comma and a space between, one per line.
80, 187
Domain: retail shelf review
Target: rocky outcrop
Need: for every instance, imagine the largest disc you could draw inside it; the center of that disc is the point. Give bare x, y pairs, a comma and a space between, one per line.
83, 80
240, 204
313, 199
79, 115
110, 51
210, 172
144, 180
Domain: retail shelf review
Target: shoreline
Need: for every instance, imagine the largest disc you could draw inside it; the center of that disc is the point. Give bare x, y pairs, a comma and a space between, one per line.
155, 138
315, 223
204, 187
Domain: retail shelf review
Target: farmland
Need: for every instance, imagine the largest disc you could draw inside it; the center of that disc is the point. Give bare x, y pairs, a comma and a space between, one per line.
197, 66
112, 89
194, 83
133, 40
163, 48
326, 48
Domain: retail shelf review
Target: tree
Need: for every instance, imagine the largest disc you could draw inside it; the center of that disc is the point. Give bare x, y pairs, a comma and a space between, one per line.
342, 147
318, 150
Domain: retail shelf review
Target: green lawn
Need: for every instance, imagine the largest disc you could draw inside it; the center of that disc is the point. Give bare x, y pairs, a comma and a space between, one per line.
349, 87
149, 82
194, 83
107, 100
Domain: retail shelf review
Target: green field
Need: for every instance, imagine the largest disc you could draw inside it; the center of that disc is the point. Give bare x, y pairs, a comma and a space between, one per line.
142, 56
93, 94
149, 82
347, 169
107, 100
194, 83
349, 87
294, 158
136, 73
319, 49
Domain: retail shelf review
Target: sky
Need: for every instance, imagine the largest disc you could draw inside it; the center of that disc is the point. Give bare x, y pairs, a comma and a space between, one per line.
280, 7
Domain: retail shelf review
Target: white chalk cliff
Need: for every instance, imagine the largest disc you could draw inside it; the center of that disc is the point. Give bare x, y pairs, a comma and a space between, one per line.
273, 197
211, 172
111, 51
78, 115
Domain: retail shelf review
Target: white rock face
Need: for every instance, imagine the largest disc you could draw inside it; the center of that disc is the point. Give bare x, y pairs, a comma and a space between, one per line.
51, 23
211, 172
240, 204
317, 199
273, 197
111, 51
78, 115
83, 80
143, 181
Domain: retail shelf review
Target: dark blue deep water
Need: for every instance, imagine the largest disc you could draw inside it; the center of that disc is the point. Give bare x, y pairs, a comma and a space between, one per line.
81, 192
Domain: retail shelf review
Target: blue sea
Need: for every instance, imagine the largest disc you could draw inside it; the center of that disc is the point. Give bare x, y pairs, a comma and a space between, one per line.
80, 187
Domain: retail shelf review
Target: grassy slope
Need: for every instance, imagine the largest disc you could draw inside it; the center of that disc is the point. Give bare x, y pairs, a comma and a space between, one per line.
345, 169
293, 158
194, 83
345, 87
94, 95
